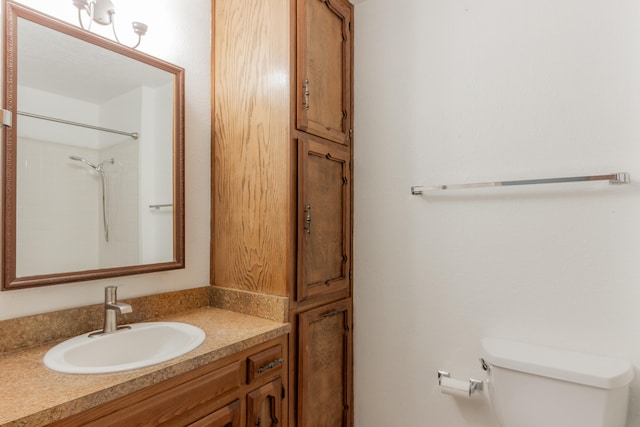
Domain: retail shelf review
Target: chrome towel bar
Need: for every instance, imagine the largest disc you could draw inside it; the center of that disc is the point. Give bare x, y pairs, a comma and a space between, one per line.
614, 178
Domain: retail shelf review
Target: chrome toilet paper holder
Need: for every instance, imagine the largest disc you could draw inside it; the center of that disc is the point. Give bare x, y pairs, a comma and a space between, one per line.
474, 384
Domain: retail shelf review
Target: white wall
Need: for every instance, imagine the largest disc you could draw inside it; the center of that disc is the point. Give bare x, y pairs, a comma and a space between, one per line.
455, 92
179, 32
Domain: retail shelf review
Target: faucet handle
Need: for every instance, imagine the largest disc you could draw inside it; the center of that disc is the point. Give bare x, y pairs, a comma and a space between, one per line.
111, 300
110, 294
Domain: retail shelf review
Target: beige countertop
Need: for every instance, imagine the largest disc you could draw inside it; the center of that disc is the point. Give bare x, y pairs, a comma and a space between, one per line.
32, 395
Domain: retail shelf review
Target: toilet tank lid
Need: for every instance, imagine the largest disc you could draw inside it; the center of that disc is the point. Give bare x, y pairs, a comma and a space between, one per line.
595, 371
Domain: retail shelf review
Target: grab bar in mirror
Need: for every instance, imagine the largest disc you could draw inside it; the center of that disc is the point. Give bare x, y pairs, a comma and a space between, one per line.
133, 135
614, 178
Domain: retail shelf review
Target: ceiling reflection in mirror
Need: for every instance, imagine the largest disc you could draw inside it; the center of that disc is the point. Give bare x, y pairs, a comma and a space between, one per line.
96, 152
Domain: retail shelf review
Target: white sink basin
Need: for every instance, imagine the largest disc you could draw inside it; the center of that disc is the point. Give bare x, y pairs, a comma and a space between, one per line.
145, 344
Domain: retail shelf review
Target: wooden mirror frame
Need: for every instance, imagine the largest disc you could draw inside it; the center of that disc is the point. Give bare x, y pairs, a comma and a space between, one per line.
13, 11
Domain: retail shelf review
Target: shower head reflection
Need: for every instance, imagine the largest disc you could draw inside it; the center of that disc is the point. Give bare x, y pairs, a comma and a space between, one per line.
97, 168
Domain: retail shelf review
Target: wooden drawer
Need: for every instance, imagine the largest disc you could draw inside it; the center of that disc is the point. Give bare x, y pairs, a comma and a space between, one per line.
264, 363
171, 403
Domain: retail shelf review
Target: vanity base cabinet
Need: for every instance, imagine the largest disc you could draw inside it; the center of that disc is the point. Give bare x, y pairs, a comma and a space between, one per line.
226, 393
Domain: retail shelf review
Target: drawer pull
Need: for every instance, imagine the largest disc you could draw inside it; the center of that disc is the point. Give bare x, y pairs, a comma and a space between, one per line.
307, 219
270, 365
332, 313
305, 96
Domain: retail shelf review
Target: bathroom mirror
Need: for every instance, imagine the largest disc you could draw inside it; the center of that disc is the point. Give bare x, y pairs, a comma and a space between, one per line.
93, 159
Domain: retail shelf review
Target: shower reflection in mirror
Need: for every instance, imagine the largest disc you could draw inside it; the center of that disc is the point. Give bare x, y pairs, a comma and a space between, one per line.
93, 144
78, 200
99, 169
87, 156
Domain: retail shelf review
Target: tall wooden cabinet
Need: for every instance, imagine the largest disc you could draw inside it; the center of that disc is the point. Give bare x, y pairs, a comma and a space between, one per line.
282, 185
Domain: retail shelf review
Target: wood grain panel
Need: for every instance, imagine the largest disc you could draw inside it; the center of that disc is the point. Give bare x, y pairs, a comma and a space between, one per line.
252, 157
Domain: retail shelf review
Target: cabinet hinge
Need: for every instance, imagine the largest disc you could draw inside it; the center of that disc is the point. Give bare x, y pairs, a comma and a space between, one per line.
350, 133
350, 277
284, 393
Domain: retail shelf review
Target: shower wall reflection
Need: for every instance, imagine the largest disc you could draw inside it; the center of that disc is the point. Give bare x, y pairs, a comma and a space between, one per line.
60, 201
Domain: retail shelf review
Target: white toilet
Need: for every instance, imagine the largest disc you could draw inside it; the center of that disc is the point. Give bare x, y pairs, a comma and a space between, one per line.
534, 386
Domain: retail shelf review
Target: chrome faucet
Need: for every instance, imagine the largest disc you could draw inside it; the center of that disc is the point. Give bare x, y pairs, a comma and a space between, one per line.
111, 308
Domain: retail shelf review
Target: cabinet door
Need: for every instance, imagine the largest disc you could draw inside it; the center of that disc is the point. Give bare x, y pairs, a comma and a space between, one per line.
325, 366
227, 416
324, 46
264, 405
324, 211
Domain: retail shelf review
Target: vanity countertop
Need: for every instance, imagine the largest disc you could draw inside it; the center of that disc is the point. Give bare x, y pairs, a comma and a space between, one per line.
33, 395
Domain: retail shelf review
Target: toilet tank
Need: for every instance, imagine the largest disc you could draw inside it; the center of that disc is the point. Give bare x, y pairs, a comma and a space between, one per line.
535, 386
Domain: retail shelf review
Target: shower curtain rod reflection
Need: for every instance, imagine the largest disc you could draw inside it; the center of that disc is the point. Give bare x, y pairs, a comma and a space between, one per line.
133, 135
613, 178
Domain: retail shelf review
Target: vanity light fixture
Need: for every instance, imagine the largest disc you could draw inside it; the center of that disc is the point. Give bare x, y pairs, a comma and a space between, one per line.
103, 12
